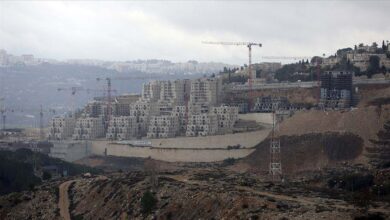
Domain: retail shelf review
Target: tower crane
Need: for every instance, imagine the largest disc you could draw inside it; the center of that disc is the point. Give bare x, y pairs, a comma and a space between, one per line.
109, 90
41, 111
249, 45
74, 90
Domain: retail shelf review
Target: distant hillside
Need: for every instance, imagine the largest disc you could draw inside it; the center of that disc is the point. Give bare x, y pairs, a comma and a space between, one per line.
26, 87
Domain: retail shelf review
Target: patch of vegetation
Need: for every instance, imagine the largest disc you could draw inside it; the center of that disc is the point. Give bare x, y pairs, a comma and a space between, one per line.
345, 146
46, 175
228, 161
148, 202
17, 173
352, 182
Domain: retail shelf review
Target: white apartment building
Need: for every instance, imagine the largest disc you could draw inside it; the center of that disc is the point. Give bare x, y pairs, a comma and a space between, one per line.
88, 128
151, 91
226, 117
122, 128
121, 104
163, 126
141, 110
174, 92
61, 127
205, 92
361, 60
180, 112
202, 125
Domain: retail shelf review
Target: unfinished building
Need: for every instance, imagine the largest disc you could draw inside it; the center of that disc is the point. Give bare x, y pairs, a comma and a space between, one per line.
151, 91
95, 108
163, 126
141, 111
267, 103
122, 128
336, 89
121, 104
61, 127
205, 92
88, 128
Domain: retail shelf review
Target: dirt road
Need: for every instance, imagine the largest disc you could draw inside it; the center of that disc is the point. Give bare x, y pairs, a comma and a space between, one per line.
63, 201
301, 199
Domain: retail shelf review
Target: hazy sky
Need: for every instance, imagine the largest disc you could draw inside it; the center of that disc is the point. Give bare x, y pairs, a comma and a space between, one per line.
121, 30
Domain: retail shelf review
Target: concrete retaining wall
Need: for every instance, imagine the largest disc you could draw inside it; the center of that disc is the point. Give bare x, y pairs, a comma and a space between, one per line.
192, 149
168, 154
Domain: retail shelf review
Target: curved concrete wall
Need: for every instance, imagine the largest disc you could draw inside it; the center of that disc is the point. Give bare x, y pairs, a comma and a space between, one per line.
246, 140
192, 149
169, 154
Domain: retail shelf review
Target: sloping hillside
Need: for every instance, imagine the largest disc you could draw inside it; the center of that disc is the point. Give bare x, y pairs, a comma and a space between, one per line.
306, 152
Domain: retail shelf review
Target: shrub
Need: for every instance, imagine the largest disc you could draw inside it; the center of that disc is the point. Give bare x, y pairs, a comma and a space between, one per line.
148, 202
228, 161
46, 175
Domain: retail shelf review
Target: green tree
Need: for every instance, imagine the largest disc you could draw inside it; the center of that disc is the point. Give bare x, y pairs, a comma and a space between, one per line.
373, 66
46, 175
148, 202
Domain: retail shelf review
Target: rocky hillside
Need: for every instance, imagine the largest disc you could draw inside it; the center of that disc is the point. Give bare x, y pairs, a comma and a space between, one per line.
193, 194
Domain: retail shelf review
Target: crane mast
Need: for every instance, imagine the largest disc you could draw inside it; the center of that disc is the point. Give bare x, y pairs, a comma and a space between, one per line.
249, 45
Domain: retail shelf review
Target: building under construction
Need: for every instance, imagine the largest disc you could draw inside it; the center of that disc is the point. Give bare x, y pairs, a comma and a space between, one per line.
336, 90
265, 103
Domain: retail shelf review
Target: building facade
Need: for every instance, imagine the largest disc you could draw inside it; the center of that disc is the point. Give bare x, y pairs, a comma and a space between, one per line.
61, 127
88, 128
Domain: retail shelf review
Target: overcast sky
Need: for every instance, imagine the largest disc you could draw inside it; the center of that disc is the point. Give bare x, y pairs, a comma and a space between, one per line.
173, 30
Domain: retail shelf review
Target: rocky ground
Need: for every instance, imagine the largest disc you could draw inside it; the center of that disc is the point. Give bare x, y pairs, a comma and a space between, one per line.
193, 193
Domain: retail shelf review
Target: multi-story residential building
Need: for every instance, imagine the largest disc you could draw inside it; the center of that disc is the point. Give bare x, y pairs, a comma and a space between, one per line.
96, 108
121, 104
151, 91
181, 113
205, 92
163, 126
226, 117
61, 127
88, 128
202, 125
141, 110
122, 128
175, 92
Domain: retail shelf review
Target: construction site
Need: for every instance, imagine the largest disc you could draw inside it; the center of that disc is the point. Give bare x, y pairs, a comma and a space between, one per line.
264, 152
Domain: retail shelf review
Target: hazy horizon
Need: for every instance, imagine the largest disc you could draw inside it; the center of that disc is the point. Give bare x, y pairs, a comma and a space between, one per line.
173, 30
